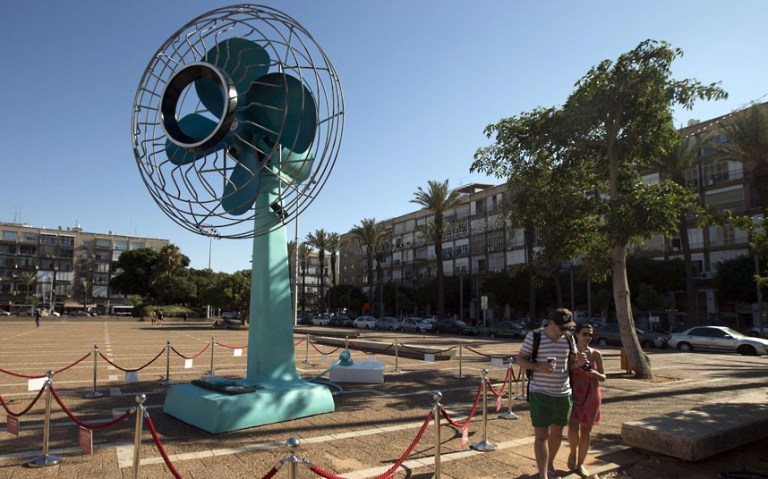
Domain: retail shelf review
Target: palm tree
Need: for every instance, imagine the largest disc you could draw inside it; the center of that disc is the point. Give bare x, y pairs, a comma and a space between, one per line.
369, 234
747, 133
439, 199
334, 245
319, 239
304, 253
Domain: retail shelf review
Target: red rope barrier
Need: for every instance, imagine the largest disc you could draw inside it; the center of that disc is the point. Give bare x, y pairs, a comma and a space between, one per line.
131, 370
5, 406
427, 352
299, 341
484, 355
161, 448
25, 376
193, 356
230, 347
327, 354
503, 385
80, 423
357, 348
271, 473
462, 425
391, 471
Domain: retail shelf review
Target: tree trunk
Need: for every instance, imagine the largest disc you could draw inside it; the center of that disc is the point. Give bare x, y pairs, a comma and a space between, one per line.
690, 285
635, 355
528, 239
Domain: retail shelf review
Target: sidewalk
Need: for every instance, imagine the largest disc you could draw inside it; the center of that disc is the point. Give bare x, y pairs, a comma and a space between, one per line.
372, 426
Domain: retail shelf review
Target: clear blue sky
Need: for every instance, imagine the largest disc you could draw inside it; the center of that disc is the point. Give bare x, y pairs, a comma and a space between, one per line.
421, 80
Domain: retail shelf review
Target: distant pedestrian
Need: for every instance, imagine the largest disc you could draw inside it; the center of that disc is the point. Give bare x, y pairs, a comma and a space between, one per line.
38, 314
185, 316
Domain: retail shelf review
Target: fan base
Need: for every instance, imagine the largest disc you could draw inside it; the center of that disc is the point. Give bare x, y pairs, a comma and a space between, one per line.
270, 403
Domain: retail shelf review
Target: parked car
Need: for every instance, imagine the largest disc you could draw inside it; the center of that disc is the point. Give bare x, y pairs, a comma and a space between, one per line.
609, 335
455, 326
720, 338
305, 319
78, 312
387, 323
4, 313
416, 325
364, 322
340, 321
230, 315
503, 329
754, 331
321, 320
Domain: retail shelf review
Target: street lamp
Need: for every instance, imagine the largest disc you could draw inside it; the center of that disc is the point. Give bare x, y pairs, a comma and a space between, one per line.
212, 233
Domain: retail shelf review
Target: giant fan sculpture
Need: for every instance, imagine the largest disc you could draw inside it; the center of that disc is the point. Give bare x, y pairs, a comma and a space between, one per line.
237, 123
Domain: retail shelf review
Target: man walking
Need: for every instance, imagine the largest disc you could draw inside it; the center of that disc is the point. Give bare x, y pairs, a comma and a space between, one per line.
37, 317
549, 357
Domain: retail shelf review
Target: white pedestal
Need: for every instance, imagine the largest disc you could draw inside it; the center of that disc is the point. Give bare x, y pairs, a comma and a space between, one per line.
366, 372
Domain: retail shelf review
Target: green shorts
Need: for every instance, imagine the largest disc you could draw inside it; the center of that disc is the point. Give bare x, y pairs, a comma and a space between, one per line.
549, 410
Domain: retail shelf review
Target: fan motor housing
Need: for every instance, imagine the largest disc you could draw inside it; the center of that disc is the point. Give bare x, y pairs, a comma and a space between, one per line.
170, 99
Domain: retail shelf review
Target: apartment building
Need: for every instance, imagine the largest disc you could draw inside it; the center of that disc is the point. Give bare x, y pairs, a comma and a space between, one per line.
479, 241
62, 268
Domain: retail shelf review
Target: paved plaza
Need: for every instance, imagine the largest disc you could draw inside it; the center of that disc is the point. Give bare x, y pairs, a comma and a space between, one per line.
372, 426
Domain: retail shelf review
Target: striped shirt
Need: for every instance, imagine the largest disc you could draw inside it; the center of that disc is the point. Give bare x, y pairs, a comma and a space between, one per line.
555, 384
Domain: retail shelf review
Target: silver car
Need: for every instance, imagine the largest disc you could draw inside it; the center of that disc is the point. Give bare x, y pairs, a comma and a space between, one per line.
416, 325
720, 338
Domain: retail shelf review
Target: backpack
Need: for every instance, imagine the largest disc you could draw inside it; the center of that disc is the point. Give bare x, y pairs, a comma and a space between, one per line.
535, 352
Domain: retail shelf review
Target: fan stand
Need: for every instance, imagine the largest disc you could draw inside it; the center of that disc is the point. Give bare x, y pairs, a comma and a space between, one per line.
280, 393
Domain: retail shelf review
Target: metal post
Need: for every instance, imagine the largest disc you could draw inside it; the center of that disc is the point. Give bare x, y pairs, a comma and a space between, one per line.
510, 371
211, 372
45, 460
94, 394
293, 459
397, 356
346, 342
306, 352
167, 362
485, 445
460, 376
140, 398
437, 396
524, 379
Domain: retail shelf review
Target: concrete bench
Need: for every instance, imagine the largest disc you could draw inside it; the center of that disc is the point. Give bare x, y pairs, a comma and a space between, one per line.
376, 347
703, 431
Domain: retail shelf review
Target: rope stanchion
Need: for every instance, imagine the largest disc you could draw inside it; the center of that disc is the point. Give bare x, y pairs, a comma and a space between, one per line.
460, 375
211, 372
324, 353
168, 348
26, 410
292, 459
45, 459
140, 409
485, 445
437, 396
58, 371
194, 356
522, 377
40, 376
397, 356
472, 410
306, 351
509, 414
439, 351
229, 346
94, 393
160, 446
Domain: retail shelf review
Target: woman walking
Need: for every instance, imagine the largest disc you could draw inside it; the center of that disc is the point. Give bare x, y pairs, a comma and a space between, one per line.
586, 399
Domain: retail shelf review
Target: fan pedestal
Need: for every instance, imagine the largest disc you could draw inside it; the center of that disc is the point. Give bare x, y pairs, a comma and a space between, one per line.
273, 402
281, 394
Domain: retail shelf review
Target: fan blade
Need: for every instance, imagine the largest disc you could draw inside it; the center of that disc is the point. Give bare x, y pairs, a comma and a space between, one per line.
242, 60
242, 188
196, 126
297, 166
283, 110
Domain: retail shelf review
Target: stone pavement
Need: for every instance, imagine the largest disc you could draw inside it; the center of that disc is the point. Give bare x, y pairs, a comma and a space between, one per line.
372, 427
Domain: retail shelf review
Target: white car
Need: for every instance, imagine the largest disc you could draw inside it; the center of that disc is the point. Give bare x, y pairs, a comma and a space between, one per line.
364, 322
720, 338
4, 313
321, 320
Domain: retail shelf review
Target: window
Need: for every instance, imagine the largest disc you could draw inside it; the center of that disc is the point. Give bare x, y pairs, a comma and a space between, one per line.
102, 267
8, 248
136, 245
47, 239
462, 250
103, 243
121, 245
29, 237
730, 199
66, 252
9, 236
67, 240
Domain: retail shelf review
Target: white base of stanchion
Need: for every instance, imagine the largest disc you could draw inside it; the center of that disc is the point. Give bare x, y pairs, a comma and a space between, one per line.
44, 461
397, 370
93, 395
460, 376
167, 382
210, 373
521, 397
509, 415
483, 446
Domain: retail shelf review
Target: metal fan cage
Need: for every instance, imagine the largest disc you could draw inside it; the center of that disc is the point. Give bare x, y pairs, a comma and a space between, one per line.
190, 194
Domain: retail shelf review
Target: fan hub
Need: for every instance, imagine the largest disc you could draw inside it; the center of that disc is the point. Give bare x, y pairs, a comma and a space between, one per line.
172, 94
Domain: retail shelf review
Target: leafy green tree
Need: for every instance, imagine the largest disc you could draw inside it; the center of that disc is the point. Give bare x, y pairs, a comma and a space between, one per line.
438, 199
334, 245
138, 270
735, 279
617, 122
304, 253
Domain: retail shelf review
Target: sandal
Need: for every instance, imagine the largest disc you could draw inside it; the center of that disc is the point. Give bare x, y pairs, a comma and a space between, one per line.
571, 462
552, 474
582, 471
